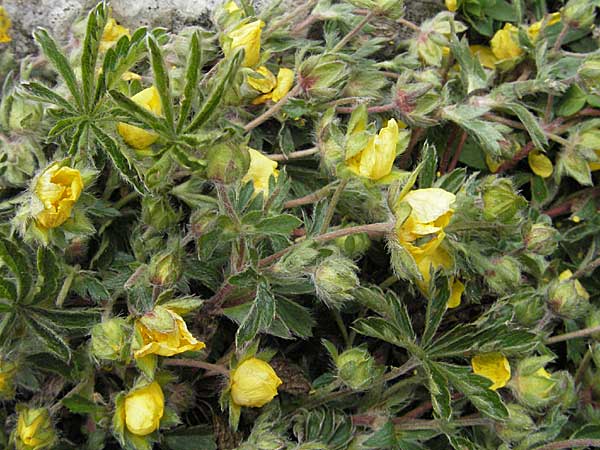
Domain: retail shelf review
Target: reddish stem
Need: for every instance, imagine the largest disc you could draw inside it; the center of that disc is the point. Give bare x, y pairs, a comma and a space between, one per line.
446, 155
518, 157
371, 109
458, 151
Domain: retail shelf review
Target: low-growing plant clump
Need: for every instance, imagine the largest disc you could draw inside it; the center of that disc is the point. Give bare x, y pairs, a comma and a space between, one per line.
314, 226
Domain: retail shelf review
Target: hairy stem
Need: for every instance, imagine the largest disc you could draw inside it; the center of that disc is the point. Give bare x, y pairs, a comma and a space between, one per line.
571, 443
273, 109
295, 155
215, 368
334, 201
353, 32
573, 335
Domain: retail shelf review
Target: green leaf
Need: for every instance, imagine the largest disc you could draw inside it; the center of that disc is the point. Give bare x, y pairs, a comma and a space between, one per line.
40, 93
438, 388
127, 170
282, 224
192, 74
63, 126
70, 318
436, 307
49, 337
74, 145
476, 389
383, 329
531, 123
429, 160
191, 438
18, 263
161, 80
48, 273
185, 159
295, 317
60, 63
89, 53
139, 114
78, 404
8, 291
216, 94
261, 315
6, 326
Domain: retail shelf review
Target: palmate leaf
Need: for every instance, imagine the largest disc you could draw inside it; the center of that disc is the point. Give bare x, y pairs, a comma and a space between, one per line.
47, 335
438, 388
383, 329
89, 54
18, 263
8, 291
436, 307
7, 323
261, 315
39, 92
79, 318
60, 62
48, 273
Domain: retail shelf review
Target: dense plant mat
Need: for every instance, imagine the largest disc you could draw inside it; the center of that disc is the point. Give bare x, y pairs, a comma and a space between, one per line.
314, 226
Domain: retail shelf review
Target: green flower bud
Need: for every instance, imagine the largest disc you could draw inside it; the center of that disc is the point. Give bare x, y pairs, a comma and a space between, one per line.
503, 274
518, 425
158, 213
541, 239
357, 368
322, 76
592, 319
566, 388
166, 268
20, 158
18, 114
355, 245
589, 74
500, 201
227, 163
202, 221
579, 13
567, 297
528, 308
532, 385
34, 429
110, 340
8, 370
335, 279
332, 154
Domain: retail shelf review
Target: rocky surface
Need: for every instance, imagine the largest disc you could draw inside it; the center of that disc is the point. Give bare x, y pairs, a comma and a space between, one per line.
59, 15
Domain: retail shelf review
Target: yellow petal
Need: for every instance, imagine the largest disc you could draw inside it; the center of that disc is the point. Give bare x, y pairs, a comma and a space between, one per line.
452, 5
111, 34
285, 80
493, 366
136, 137
58, 188
260, 170
540, 164
5, 25
376, 160
505, 44
429, 204
245, 37
265, 84
456, 294
254, 383
485, 55
144, 408
128, 76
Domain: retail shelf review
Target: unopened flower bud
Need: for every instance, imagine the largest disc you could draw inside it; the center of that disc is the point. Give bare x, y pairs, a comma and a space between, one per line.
500, 201
34, 429
589, 74
592, 320
357, 368
541, 239
579, 13
532, 385
518, 425
143, 409
158, 213
529, 308
503, 274
20, 157
566, 388
227, 163
110, 339
335, 279
254, 383
166, 268
20, 114
567, 297
322, 76
354, 245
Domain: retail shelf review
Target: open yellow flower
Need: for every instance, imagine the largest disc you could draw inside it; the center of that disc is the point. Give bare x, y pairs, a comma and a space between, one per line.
5, 24
245, 37
144, 408
254, 383
266, 83
136, 137
376, 160
111, 34
534, 29
261, 169
163, 332
505, 43
58, 188
485, 55
278, 90
493, 366
34, 429
540, 164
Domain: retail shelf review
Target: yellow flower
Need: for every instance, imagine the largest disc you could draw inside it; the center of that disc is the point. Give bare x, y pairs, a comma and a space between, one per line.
540, 164
144, 408
492, 163
163, 332
452, 5
247, 37
58, 188
376, 160
128, 76
261, 169
281, 86
136, 137
5, 25
34, 429
456, 293
254, 383
493, 366
534, 29
231, 7
265, 84
505, 43
111, 34
485, 55
566, 275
